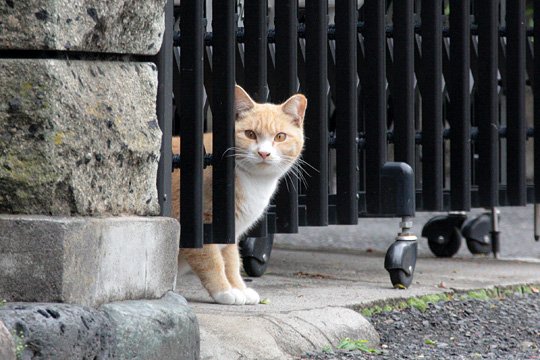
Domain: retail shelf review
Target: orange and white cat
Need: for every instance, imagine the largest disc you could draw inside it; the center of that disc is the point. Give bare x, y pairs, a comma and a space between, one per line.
269, 139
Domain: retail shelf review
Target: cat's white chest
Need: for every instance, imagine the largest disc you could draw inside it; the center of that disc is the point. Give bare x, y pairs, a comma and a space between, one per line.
253, 198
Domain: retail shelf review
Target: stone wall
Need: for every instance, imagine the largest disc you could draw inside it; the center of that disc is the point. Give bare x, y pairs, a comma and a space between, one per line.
112, 26
80, 139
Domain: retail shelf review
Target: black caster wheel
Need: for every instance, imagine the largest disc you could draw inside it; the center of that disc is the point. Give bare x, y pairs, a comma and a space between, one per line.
444, 235
255, 254
400, 262
400, 279
254, 267
476, 234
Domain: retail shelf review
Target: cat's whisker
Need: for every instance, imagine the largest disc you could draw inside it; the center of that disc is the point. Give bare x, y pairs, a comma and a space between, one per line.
301, 161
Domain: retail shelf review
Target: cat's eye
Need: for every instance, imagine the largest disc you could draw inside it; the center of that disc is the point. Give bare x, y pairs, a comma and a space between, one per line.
250, 134
280, 137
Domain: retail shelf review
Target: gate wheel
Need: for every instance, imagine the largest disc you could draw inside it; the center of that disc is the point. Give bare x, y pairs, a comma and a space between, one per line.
444, 234
256, 254
400, 279
476, 233
446, 244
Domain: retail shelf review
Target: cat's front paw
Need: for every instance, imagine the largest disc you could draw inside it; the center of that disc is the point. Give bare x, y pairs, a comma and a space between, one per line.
230, 297
252, 297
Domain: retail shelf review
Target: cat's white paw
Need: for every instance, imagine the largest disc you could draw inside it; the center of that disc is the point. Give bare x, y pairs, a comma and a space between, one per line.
252, 297
224, 297
230, 297
240, 297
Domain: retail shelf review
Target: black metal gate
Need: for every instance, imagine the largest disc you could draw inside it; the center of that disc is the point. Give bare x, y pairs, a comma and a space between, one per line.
410, 102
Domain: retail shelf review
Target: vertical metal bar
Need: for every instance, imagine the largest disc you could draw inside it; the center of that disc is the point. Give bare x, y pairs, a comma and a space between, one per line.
316, 125
374, 91
536, 88
403, 82
164, 61
255, 47
255, 60
346, 112
515, 100
460, 108
223, 59
286, 24
190, 101
432, 145
487, 102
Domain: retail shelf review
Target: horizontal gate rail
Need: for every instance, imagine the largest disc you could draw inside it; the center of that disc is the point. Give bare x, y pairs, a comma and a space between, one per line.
331, 31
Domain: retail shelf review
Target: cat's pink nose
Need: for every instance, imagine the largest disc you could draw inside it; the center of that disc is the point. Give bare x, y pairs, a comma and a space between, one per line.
264, 155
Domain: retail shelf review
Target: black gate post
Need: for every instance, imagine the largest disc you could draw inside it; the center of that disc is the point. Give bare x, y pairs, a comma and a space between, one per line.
316, 125
164, 61
431, 91
346, 112
374, 92
190, 102
223, 61
460, 111
286, 24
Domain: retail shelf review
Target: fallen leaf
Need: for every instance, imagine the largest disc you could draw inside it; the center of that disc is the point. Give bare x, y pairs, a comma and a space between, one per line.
264, 301
535, 290
303, 274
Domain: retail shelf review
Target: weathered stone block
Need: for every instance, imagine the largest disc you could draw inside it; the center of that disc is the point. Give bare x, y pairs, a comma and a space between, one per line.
7, 345
133, 330
58, 331
159, 329
78, 137
87, 261
120, 26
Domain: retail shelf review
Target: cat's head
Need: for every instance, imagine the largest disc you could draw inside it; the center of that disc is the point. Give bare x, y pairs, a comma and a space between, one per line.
269, 137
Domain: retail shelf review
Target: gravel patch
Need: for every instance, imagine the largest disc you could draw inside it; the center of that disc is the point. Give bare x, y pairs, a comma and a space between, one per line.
502, 328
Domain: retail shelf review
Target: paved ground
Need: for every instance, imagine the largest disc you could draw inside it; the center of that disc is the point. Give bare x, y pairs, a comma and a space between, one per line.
311, 294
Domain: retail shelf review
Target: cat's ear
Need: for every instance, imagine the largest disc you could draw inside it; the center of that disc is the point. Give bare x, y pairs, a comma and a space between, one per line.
242, 101
296, 107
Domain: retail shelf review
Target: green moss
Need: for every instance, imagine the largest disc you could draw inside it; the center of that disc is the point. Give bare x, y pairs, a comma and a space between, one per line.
351, 345
20, 345
479, 295
422, 302
417, 303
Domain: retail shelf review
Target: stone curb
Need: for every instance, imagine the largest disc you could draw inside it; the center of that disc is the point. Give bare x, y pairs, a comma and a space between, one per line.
143, 330
278, 335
